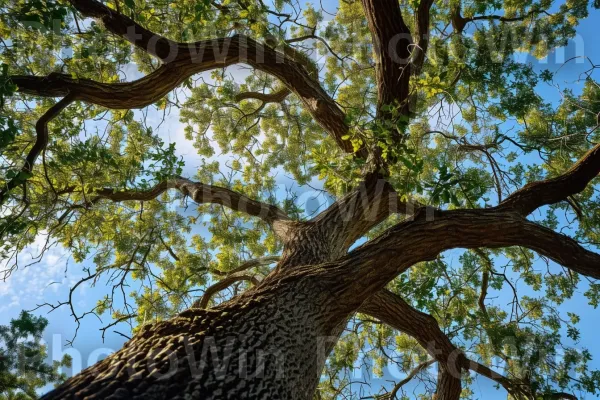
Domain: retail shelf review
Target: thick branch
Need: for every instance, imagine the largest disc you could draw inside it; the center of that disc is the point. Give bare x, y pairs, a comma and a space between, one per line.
182, 60
392, 310
193, 58
422, 34
125, 27
355, 214
335, 230
201, 193
550, 191
391, 40
370, 267
275, 97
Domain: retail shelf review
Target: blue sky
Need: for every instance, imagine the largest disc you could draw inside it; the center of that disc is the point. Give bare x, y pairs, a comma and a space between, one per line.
49, 279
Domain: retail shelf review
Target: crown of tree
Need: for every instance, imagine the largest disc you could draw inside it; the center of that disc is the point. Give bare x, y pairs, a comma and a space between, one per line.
412, 118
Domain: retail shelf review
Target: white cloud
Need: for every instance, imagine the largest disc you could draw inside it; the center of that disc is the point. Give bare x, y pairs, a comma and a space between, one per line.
34, 278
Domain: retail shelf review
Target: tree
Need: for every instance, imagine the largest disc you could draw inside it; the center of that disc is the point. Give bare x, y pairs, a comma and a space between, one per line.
420, 124
23, 370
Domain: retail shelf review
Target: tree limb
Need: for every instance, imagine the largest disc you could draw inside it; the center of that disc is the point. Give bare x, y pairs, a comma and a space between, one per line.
275, 97
422, 23
392, 310
343, 223
191, 59
180, 61
391, 40
125, 27
201, 193
353, 215
370, 267
41, 128
537, 194
223, 284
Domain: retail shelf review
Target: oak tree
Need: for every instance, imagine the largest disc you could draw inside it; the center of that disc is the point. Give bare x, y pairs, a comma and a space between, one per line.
413, 117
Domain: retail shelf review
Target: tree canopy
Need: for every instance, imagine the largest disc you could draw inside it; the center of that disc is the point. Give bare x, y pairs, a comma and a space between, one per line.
85, 162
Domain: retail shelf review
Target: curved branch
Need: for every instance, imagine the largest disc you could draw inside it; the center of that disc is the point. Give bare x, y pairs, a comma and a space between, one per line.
201, 193
537, 194
181, 60
123, 26
392, 310
561, 249
193, 58
224, 284
275, 97
41, 128
371, 266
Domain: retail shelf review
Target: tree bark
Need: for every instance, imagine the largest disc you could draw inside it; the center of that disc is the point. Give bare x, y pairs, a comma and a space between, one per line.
271, 342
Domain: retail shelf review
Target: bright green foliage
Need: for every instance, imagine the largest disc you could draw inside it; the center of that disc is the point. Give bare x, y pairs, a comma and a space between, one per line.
23, 367
479, 129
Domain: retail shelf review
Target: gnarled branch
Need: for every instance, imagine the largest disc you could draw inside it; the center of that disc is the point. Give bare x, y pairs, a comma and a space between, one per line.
392, 310
537, 194
41, 128
201, 193
224, 284
371, 266
123, 26
191, 59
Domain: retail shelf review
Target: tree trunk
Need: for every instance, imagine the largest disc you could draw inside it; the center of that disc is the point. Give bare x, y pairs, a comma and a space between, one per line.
269, 343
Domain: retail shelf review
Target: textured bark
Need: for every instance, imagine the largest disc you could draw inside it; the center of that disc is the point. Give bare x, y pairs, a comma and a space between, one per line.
391, 40
293, 311
268, 343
